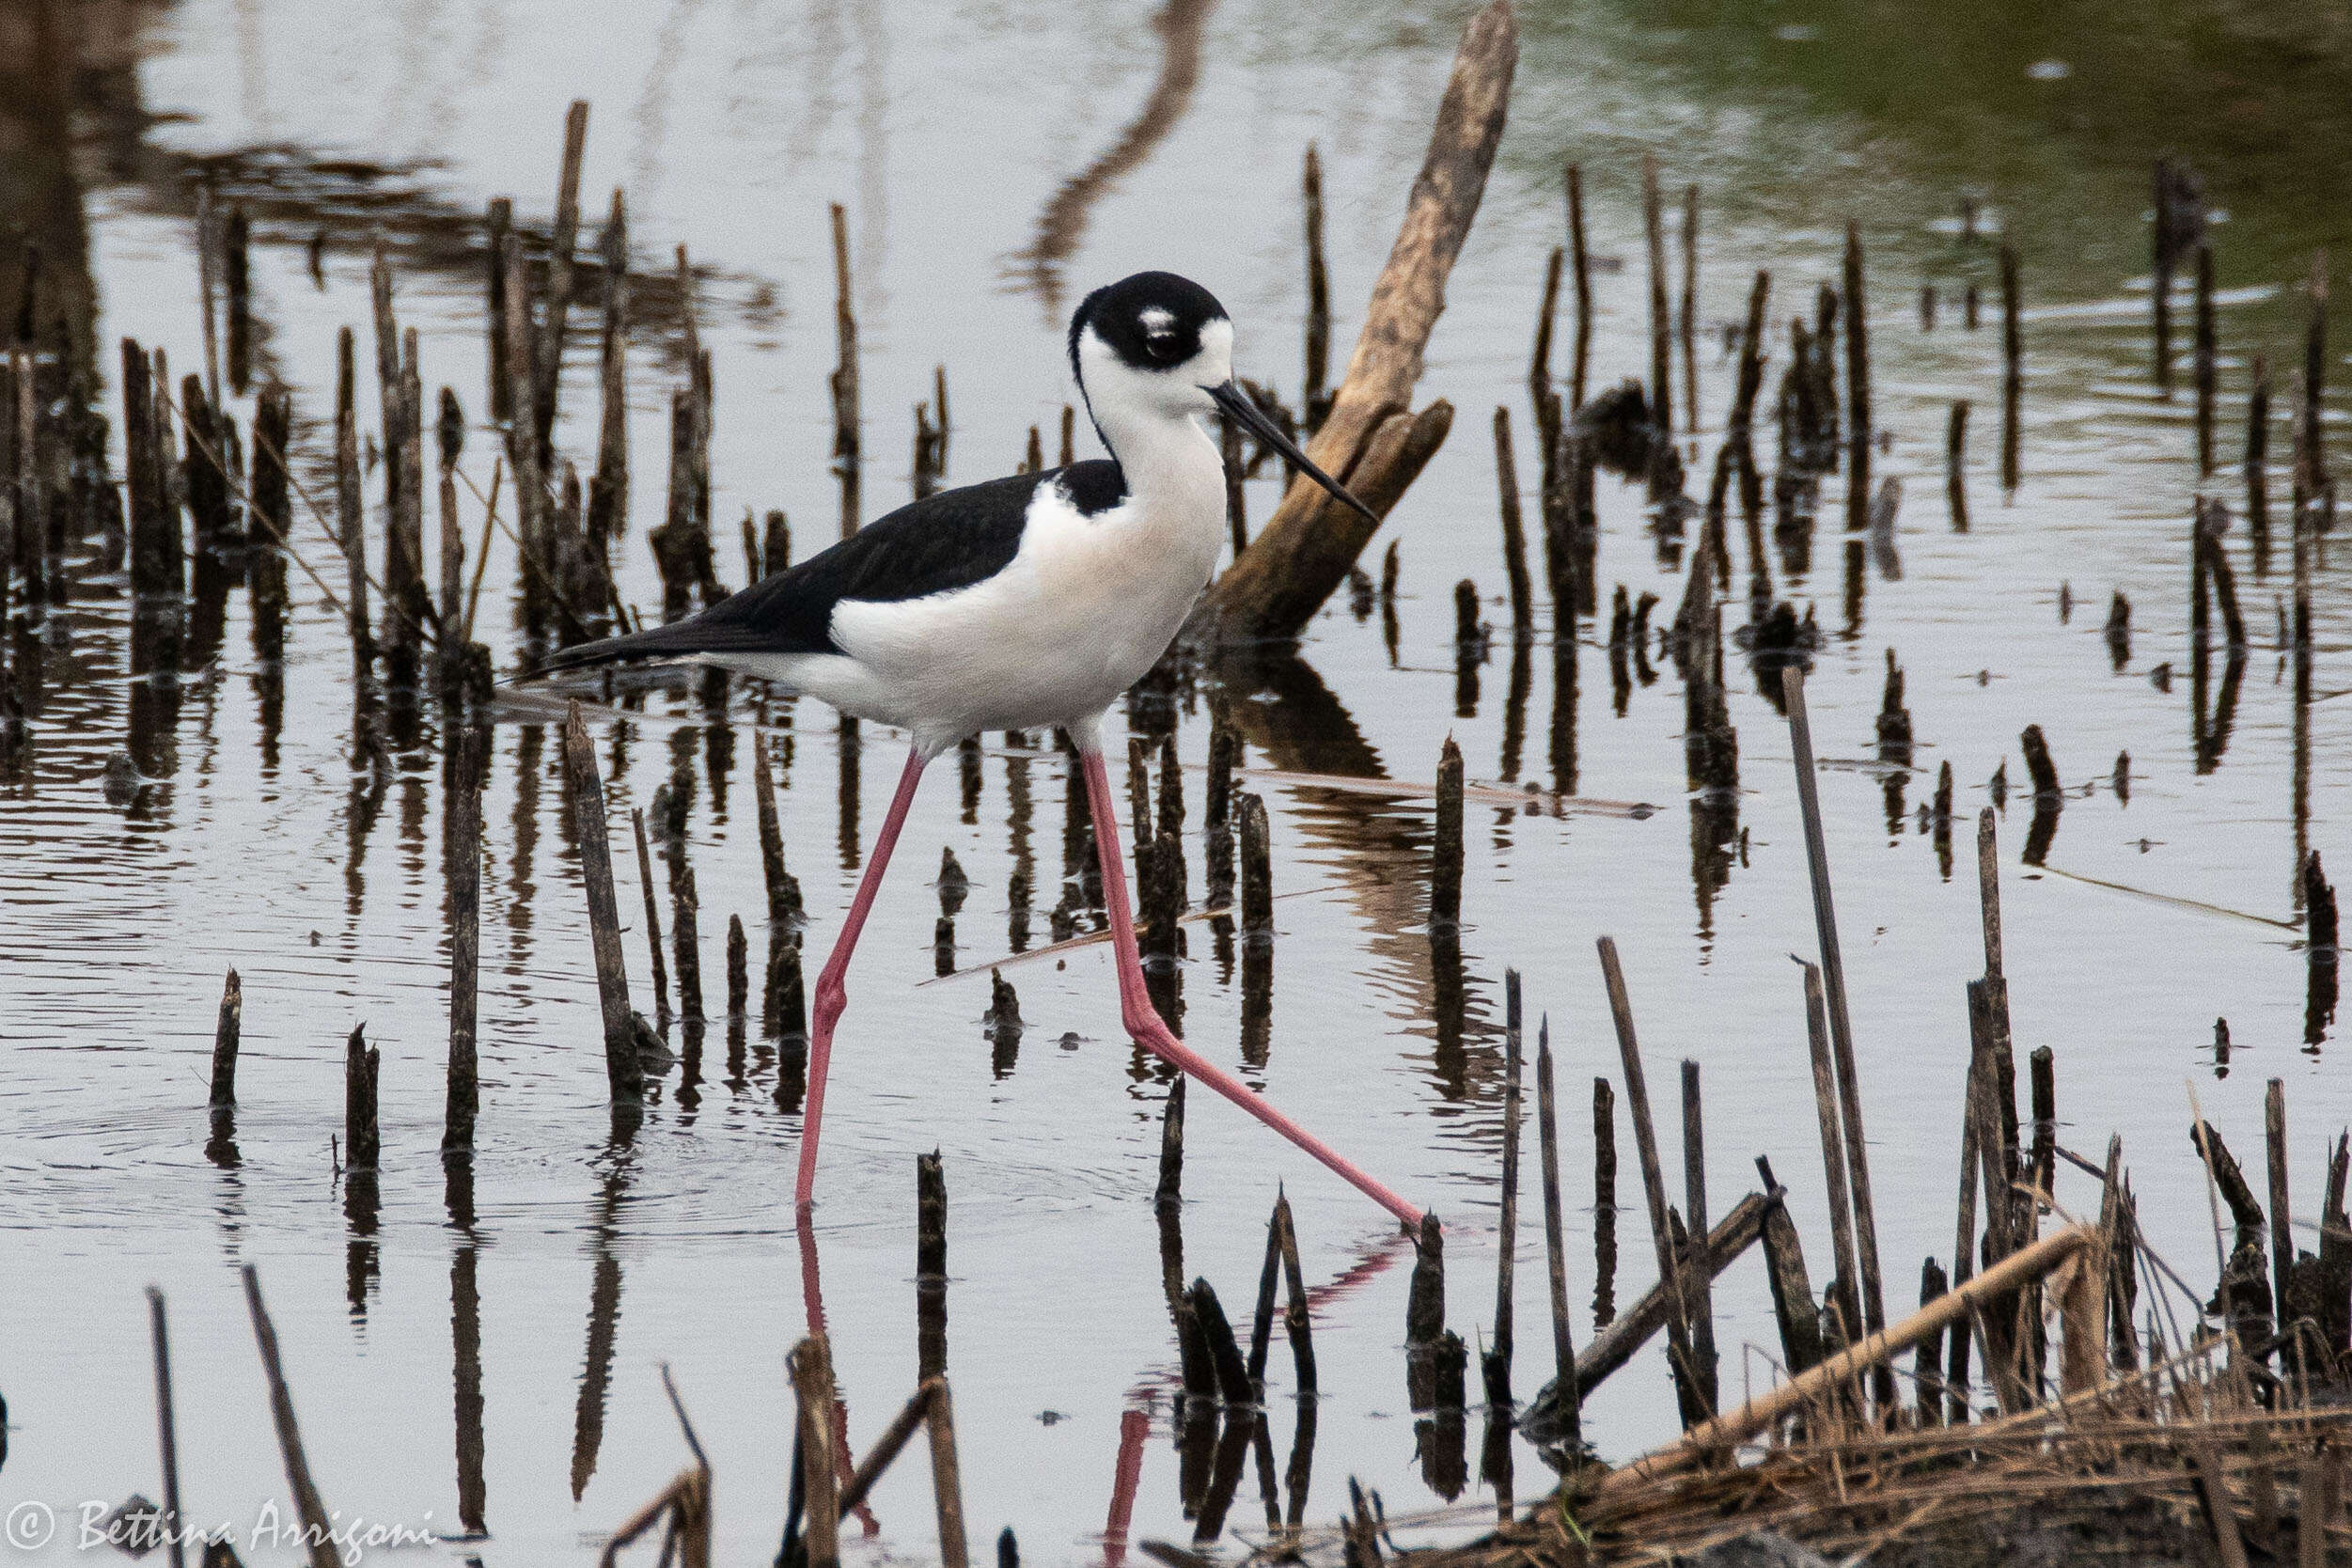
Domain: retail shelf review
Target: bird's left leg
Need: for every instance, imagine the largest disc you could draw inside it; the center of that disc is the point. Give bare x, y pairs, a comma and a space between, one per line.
832, 995
1150, 1031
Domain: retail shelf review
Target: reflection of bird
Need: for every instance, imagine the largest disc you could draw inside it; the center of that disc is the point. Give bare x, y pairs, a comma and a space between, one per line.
1019, 604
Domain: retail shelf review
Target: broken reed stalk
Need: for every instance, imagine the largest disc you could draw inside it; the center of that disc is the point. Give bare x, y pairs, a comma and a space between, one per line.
1217, 1333
2012, 368
653, 915
624, 1074
783, 891
524, 455
1652, 1183
1297, 1326
1955, 461
451, 607
1580, 264
1841, 1023
500, 223
737, 968
1541, 393
931, 1265
167, 1427
1513, 532
317, 1529
225, 1038
2164, 242
2313, 452
685, 932
350, 520
1261, 1318
1604, 1201
548, 356
1555, 1242
1496, 1364
811, 1364
2258, 459
1814, 1385
208, 287
2281, 1233
1229, 445
947, 1477
1425, 1295
464, 871
1847, 1282
1170, 1192
844, 380
1661, 314
608, 488
362, 1139
2207, 360
1858, 385
1445, 877
930, 1217
1688, 318
237, 284
1964, 1245
1695, 1207
1314, 400
1617, 1344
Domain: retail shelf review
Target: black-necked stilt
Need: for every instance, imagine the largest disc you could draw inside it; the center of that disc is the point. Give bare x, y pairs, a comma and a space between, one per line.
1020, 604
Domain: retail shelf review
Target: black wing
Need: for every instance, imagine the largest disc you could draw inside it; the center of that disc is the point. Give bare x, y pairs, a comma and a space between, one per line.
944, 541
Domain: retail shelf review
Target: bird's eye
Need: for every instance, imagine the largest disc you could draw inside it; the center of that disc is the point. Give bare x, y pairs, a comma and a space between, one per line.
1160, 342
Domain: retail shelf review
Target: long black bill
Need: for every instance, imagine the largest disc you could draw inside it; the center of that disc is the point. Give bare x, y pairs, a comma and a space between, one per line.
1236, 404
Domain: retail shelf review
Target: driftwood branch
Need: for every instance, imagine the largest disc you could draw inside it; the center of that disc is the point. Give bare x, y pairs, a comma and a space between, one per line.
1810, 1388
1369, 439
1632, 1329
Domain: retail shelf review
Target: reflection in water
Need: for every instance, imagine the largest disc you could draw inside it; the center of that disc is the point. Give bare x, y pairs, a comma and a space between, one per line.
362, 1267
604, 1317
1135, 1429
1225, 1472
523, 835
466, 1342
1280, 706
850, 748
1062, 223
1375, 841
1562, 733
2210, 732
1020, 885
1515, 709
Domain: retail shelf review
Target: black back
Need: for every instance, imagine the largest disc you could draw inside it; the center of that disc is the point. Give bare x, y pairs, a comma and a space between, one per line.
944, 541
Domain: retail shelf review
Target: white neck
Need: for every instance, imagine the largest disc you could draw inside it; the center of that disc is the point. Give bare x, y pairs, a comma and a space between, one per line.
1163, 455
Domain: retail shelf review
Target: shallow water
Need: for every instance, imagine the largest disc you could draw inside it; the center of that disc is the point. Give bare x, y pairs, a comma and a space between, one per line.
948, 132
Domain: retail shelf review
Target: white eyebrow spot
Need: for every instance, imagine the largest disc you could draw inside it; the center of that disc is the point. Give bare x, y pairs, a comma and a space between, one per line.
1155, 320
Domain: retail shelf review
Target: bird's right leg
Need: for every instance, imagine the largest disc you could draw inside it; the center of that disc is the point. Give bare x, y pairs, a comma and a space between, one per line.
1152, 1032
832, 995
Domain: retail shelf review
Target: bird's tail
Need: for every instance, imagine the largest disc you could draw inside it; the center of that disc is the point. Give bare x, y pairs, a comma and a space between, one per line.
678, 640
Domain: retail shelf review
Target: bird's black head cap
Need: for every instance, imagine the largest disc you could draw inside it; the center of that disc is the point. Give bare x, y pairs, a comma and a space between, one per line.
1151, 321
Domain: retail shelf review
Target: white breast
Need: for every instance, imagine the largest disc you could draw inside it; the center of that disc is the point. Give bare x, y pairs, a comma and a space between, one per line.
1086, 605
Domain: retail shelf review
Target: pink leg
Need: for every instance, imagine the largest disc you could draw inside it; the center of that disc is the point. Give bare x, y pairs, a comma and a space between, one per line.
832, 996
1144, 1023
1135, 1426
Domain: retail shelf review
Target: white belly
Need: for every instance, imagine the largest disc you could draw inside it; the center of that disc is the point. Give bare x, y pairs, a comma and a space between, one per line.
1084, 610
